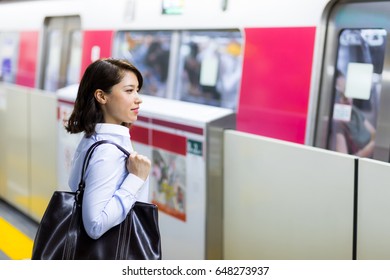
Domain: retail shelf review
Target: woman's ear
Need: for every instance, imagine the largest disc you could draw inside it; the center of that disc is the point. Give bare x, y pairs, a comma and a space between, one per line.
100, 96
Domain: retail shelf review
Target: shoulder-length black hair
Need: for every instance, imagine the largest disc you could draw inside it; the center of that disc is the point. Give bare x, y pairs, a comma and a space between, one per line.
102, 74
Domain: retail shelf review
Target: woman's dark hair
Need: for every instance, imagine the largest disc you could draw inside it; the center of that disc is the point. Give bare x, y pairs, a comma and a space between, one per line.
102, 74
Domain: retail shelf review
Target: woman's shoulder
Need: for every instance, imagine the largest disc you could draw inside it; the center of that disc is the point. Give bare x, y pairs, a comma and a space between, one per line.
110, 149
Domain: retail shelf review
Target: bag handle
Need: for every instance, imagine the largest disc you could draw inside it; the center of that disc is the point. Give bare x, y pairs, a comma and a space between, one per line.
88, 155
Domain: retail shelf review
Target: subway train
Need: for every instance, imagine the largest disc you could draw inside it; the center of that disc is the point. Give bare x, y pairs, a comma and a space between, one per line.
273, 65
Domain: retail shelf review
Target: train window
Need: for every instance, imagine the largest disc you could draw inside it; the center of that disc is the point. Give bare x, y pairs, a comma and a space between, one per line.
52, 73
149, 51
172, 7
210, 65
74, 68
357, 91
61, 53
9, 47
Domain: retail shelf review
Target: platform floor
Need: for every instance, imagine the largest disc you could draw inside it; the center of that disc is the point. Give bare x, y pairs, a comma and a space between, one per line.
17, 233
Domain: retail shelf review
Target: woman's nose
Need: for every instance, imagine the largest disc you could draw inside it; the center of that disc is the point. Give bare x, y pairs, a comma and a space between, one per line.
138, 97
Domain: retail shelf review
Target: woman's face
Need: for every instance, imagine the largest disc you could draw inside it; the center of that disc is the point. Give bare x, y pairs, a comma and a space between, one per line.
122, 104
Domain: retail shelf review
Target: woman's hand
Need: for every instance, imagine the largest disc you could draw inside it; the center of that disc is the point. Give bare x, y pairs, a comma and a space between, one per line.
138, 165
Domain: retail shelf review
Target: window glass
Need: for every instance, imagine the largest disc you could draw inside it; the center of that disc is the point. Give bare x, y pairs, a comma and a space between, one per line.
149, 51
210, 66
357, 90
52, 73
9, 47
74, 65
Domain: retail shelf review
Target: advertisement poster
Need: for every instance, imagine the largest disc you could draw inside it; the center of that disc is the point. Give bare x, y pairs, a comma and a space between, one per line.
168, 183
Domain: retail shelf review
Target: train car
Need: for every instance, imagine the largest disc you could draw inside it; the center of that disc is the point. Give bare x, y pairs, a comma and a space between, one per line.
255, 57
252, 57
272, 63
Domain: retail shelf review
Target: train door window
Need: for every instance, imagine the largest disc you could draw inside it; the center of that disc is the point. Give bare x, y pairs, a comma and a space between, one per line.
150, 52
53, 61
62, 53
9, 47
357, 89
75, 53
210, 66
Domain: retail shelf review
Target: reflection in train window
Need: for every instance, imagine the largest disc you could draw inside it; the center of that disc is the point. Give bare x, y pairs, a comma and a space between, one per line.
149, 51
210, 66
8, 56
357, 91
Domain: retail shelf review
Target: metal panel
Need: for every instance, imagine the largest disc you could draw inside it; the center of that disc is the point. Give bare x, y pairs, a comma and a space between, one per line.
43, 150
373, 241
214, 201
286, 201
3, 148
17, 148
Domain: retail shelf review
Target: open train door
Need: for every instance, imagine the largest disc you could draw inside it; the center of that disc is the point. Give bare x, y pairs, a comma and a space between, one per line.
350, 94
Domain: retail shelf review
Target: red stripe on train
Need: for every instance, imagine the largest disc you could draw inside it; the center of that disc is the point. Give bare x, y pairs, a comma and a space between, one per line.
28, 57
275, 84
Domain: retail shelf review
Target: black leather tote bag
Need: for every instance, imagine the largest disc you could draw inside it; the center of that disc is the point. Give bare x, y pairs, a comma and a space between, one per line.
61, 234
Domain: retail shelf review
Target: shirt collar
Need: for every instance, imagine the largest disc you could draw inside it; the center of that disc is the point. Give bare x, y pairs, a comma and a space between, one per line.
107, 128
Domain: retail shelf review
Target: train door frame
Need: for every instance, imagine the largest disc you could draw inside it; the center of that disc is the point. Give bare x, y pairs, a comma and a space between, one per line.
65, 52
338, 16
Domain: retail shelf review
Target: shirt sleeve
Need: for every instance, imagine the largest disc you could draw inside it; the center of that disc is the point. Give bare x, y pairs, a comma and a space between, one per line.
110, 191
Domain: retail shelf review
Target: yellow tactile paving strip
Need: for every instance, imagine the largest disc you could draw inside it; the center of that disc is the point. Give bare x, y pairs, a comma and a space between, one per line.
15, 244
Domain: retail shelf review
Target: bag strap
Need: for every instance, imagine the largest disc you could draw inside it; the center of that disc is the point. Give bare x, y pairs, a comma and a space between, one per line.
88, 155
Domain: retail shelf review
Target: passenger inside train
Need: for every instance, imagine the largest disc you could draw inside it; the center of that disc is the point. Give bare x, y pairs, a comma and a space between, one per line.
354, 135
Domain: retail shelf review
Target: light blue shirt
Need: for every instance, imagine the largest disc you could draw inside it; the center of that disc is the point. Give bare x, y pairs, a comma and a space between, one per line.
110, 191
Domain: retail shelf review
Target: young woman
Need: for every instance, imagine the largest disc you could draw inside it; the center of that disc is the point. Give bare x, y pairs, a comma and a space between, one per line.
107, 104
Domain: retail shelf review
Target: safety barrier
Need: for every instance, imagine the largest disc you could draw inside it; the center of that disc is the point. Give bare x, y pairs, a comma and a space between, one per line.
28, 161
289, 201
